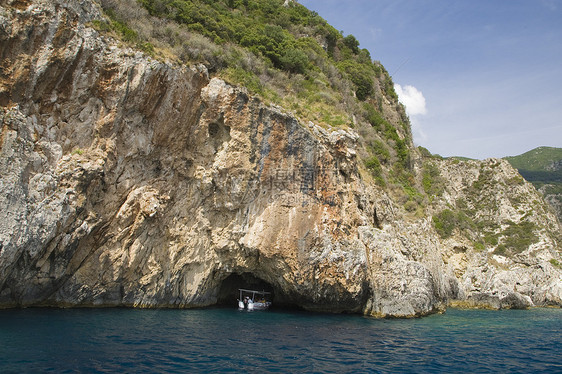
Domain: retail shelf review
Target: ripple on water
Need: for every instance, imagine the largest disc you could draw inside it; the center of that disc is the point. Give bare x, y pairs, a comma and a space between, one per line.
224, 340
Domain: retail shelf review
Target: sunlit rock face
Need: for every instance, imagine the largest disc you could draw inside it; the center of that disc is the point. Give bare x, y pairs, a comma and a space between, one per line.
127, 181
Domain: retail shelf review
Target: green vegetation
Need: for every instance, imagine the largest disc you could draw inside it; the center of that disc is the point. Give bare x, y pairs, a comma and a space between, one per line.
447, 221
479, 246
555, 263
289, 56
361, 75
289, 38
246, 79
483, 201
543, 168
540, 166
513, 239
374, 166
117, 25
381, 151
516, 238
550, 189
427, 154
286, 54
538, 159
475, 217
433, 183
459, 158
415, 200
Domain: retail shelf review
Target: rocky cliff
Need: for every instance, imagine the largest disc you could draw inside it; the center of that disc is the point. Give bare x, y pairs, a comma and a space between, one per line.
128, 181
542, 167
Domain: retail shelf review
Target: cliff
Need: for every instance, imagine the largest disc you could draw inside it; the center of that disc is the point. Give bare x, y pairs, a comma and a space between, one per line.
542, 167
130, 181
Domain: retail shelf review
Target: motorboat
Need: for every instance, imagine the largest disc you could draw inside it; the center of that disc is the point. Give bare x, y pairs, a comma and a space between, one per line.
254, 300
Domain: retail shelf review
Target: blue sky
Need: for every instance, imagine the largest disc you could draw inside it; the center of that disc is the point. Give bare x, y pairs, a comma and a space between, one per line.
480, 78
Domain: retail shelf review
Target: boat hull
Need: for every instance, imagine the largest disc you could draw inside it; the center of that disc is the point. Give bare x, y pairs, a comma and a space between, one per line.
261, 306
248, 297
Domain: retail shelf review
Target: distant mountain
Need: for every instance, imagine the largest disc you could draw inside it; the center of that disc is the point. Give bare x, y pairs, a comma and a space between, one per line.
542, 167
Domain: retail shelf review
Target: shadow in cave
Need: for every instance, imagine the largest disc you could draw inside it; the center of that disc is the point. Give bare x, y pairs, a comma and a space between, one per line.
228, 292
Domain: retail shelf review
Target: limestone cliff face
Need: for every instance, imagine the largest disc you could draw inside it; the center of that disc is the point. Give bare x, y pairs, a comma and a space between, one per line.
130, 181
554, 199
519, 235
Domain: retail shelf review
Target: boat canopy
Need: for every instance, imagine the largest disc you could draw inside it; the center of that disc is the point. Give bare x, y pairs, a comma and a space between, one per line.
254, 291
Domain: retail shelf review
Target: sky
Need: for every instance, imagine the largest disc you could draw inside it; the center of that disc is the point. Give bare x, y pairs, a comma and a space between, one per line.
479, 78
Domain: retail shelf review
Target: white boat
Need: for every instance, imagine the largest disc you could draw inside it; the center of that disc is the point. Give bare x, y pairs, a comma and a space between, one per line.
253, 300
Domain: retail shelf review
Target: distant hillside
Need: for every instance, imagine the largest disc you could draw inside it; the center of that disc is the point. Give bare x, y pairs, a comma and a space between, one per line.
542, 167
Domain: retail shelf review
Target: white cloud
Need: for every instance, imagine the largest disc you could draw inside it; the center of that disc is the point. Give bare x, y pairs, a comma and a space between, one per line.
414, 101
412, 98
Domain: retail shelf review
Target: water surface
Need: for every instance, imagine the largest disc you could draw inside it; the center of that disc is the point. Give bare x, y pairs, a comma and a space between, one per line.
228, 340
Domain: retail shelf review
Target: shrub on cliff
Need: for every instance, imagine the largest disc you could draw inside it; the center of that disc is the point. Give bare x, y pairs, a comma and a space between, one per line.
432, 181
289, 56
447, 221
289, 37
361, 75
517, 237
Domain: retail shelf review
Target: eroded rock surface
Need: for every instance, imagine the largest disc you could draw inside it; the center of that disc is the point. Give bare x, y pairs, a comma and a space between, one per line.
130, 181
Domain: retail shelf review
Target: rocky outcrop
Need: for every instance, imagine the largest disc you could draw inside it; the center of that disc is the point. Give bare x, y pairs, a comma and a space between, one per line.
135, 182
542, 167
554, 199
503, 253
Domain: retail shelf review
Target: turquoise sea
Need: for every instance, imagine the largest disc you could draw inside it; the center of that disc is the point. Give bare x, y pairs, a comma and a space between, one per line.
227, 341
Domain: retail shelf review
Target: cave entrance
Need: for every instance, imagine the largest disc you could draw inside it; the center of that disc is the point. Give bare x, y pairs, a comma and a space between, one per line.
228, 291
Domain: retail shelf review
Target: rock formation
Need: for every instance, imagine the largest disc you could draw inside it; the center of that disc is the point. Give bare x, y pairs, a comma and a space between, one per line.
542, 167
127, 181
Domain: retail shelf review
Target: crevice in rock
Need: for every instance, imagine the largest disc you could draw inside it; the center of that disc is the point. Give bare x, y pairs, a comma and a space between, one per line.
376, 220
219, 133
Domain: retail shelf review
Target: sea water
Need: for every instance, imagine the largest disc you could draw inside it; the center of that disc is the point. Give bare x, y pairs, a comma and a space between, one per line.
228, 340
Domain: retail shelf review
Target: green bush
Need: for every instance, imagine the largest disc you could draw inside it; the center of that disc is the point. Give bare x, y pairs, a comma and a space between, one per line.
411, 206
433, 183
403, 153
244, 78
294, 60
364, 57
478, 246
379, 149
515, 181
127, 34
269, 30
375, 118
285, 54
491, 239
501, 250
374, 166
389, 88
517, 237
101, 25
361, 76
444, 223
447, 221
555, 263
351, 42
